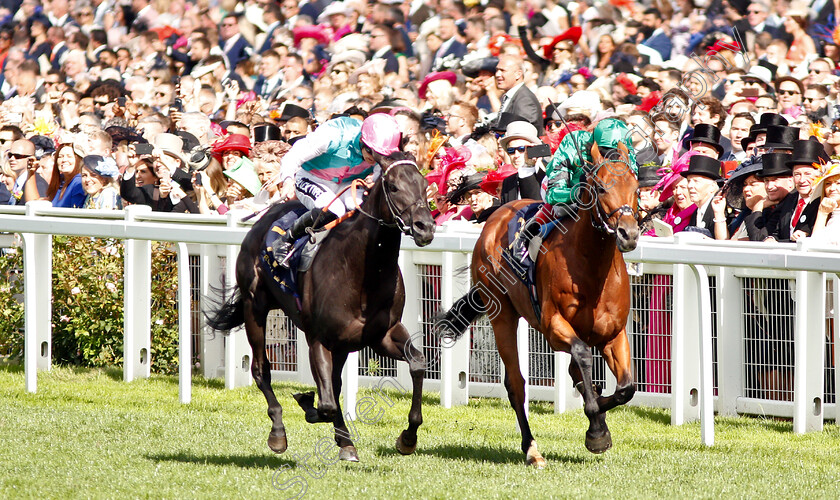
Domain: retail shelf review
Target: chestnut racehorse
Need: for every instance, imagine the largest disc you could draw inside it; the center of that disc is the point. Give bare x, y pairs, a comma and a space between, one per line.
583, 290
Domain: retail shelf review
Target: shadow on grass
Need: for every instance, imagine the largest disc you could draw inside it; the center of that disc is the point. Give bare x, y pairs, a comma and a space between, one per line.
11, 366
242, 461
479, 453
655, 415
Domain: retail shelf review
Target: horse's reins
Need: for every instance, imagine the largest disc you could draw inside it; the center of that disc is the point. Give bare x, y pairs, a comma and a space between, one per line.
397, 216
399, 223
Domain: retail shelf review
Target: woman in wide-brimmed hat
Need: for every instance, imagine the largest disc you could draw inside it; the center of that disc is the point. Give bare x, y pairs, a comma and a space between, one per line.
827, 188
99, 180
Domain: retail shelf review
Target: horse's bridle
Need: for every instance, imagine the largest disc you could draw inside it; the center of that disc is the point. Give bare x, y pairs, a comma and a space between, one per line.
399, 222
601, 218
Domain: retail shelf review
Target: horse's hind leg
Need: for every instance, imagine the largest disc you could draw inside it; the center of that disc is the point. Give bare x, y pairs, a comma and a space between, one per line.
504, 328
617, 355
255, 319
598, 439
397, 345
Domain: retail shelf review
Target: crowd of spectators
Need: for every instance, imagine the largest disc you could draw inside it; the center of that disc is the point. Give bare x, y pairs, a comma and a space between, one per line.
191, 106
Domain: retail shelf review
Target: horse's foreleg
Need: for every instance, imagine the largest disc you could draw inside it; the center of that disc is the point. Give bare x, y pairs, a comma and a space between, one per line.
504, 328
347, 451
397, 345
617, 355
598, 438
261, 371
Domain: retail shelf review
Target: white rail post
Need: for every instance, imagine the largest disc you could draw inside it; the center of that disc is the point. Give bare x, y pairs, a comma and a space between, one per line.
566, 397
37, 300
350, 384
685, 369
184, 322
730, 347
524, 352
808, 337
454, 356
835, 336
212, 342
706, 388
137, 302
237, 349
411, 312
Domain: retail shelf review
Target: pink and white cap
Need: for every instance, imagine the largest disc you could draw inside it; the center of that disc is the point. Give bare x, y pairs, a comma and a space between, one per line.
381, 133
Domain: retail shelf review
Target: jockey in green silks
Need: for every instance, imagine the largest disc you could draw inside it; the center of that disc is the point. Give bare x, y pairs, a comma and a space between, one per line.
566, 170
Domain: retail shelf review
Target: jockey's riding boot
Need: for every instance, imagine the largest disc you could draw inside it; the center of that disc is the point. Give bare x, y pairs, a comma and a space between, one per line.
304, 224
520, 245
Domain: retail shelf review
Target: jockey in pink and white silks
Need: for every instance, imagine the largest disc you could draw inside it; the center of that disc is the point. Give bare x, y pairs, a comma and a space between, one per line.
326, 161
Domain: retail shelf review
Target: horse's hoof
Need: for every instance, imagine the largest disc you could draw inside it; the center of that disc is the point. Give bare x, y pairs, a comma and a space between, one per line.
404, 448
348, 454
278, 444
599, 444
534, 459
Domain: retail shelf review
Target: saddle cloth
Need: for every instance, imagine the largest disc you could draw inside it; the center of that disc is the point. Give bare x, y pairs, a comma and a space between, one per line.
524, 266
302, 253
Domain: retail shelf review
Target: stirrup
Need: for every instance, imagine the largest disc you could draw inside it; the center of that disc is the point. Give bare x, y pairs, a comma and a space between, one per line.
523, 240
282, 252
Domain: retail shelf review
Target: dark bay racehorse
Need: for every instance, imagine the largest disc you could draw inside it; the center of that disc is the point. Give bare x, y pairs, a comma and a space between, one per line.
583, 288
352, 297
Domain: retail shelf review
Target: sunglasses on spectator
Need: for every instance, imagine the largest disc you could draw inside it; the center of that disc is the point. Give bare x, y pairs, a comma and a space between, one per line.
811, 99
789, 92
818, 71
518, 149
554, 124
19, 156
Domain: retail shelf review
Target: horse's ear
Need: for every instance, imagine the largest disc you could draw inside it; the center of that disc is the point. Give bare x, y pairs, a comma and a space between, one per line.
623, 149
596, 153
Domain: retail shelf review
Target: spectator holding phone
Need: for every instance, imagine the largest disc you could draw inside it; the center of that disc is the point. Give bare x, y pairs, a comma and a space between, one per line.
65, 189
169, 194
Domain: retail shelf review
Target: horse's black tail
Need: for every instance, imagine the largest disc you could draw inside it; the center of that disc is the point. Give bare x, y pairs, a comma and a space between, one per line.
226, 314
454, 323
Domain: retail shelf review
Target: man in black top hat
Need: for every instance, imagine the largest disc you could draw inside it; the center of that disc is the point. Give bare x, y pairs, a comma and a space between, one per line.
808, 155
780, 138
706, 141
778, 181
267, 132
703, 175
648, 198
759, 130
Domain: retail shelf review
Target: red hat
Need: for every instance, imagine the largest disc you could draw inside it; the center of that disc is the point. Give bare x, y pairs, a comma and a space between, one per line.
431, 77
453, 159
312, 31
164, 32
572, 34
494, 178
233, 142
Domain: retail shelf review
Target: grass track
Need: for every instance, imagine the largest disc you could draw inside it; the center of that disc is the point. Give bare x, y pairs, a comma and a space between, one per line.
86, 434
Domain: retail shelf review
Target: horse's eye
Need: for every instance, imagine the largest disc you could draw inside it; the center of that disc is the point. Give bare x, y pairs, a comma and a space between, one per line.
392, 188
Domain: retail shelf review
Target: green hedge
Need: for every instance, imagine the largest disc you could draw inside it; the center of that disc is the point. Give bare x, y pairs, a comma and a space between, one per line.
87, 312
